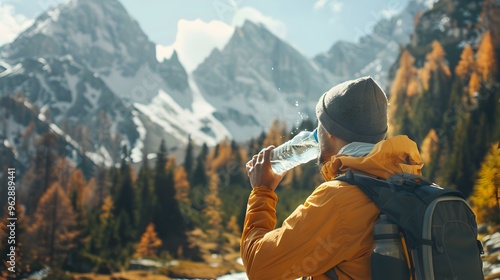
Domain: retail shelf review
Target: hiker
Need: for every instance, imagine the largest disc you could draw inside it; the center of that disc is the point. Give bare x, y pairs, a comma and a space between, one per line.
330, 234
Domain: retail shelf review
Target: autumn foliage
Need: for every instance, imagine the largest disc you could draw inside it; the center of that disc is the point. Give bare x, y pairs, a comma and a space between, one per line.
485, 199
149, 244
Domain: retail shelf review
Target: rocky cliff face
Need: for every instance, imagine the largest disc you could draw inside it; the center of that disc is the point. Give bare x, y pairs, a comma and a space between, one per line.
257, 78
90, 69
375, 52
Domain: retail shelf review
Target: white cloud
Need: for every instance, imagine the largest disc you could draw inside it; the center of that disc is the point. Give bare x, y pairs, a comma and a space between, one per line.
389, 12
248, 13
164, 52
195, 40
334, 5
320, 4
11, 24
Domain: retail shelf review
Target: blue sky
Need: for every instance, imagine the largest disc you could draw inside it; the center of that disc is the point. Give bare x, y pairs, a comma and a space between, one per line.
311, 26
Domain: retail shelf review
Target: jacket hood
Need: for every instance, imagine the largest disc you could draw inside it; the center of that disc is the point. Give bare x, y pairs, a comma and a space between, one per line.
388, 157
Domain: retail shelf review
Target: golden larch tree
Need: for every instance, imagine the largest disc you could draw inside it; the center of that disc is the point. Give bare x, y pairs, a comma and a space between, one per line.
218, 158
106, 210
405, 78
405, 75
149, 244
213, 206
467, 63
52, 231
232, 226
276, 135
434, 60
438, 56
485, 197
474, 84
429, 146
486, 59
62, 171
181, 184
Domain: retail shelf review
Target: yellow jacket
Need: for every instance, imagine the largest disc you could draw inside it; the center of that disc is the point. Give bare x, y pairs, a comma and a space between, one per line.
333, 228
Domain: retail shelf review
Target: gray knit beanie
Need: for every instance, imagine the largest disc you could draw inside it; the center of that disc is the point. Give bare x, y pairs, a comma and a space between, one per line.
354, 111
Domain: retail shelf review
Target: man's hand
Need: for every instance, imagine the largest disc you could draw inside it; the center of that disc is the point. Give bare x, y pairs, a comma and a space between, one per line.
260, 172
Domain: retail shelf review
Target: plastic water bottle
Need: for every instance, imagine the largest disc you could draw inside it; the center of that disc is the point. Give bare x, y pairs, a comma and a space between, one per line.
388, 260
300, 149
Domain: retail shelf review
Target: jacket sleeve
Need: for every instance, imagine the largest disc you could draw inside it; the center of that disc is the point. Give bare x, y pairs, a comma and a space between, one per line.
313, 239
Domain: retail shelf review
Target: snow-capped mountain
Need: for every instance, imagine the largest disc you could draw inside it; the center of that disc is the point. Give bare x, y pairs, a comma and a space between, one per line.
22, 129
89, 67
258, 78
374, 53
67, 94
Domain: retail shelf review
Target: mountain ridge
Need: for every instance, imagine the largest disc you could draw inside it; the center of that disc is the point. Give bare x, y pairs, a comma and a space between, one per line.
374, 53
235, 93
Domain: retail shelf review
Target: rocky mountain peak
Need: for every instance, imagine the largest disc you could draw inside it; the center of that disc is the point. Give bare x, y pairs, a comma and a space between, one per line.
99, 33
376, 51
268, 75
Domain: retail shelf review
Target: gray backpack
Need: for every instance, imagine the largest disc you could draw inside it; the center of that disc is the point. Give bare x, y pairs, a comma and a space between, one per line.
438, 226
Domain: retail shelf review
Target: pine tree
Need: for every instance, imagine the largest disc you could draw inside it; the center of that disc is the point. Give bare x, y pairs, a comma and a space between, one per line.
100, 234
76, 256
149, 244
52, 232
199, 176
167, 216
49, 144
199, 181
485, 199
77, 188
125, 204
236, 166
145, 198
105, 239
188, 159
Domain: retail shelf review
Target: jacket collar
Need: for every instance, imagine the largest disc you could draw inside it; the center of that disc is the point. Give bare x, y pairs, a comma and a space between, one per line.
394, 155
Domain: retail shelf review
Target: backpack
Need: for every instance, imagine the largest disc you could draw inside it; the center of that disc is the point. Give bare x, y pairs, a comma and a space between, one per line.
438, 226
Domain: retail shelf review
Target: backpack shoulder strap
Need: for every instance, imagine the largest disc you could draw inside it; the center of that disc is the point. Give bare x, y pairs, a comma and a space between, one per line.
419, 185
369, 185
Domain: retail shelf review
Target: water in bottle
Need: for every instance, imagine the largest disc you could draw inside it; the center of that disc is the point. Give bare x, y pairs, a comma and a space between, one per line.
300, 149
388, 260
